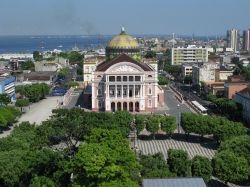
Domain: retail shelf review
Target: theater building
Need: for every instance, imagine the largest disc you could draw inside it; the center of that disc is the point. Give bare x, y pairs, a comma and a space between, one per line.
123, 81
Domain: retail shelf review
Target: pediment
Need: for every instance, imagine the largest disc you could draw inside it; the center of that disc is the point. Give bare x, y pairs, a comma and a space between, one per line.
124, 69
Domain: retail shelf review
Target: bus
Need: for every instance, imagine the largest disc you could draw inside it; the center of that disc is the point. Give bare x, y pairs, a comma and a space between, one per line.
199, 108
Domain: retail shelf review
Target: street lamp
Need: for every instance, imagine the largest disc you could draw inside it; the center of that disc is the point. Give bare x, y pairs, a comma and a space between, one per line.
178, 118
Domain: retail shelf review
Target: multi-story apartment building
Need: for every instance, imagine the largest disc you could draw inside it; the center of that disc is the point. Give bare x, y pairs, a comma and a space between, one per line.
233, 39
246, 40
190, 54
204, 72
186, 70
7, 85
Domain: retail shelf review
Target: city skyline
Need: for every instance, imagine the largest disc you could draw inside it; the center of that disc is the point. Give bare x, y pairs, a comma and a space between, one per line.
199, 17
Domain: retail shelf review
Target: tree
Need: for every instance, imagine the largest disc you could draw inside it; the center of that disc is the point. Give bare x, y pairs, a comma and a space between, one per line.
227, 129
168, 124
4, 99
154, 166
22, 103
162, 80
8, 115
201, 167
179, 163
229, 167
153, 124
239, 145
74, 56
119, 183
140, 121
37, 56
42, 181
28, 65
63, 72
150, 54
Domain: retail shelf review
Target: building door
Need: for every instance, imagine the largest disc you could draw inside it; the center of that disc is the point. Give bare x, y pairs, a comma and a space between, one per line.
137, 107
119, 106
113, 107
131, 107
125, 107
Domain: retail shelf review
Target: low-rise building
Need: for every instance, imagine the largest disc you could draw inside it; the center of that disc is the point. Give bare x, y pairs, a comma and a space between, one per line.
46, 66
203, 72
223, 73
215, 88
47, 77
7, 85
234, 84
243, 97
190, 54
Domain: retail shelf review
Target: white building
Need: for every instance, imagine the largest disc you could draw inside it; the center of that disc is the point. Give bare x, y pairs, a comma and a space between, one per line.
190, 54
8, 56
186, 70
204, 72
233, 39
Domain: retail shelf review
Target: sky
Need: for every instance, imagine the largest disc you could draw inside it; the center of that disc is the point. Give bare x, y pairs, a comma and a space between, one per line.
87, 17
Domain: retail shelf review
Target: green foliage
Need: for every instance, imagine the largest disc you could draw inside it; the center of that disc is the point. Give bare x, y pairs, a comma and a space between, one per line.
163, 80
227, 107
4, 99
154, 166
201, 167
240, 146
119, 183
79, 69
172, 69
221, 128
179, 163
22, 102
102, 160
63, 72
153, 123
28, 65
74, 56
150, 54
229, 167
228, 129
8, 115
42, 181
34, 92
37, 56
168, 124
140, 121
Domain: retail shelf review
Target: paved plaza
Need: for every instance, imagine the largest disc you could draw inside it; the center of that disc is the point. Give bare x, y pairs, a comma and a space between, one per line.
37, 112
154, 146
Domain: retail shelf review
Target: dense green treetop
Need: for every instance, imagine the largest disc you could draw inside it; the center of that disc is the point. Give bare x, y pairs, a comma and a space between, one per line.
4, 99
201, 167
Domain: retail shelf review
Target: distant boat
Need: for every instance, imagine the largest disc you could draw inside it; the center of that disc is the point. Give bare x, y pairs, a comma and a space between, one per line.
60, 46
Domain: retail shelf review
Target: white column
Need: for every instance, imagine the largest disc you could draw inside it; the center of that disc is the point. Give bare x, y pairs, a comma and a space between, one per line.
122, 91
116, 91
134, 91
127, 91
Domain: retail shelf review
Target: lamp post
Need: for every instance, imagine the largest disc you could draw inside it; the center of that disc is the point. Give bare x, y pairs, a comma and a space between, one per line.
178, 118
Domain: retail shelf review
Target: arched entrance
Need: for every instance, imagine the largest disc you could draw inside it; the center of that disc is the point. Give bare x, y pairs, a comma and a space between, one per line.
131, 107
113, 106
137, 106
125, 106
119, 106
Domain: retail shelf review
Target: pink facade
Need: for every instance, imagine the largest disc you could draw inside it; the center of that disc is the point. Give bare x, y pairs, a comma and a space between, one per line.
125, 84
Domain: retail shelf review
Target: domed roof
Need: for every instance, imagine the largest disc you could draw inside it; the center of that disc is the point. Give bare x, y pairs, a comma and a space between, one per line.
123, 41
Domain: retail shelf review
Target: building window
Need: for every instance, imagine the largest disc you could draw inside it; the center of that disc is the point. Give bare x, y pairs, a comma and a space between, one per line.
111, 78
99, 91
150, 89
137, 78
131, 78
125, 78
119, 79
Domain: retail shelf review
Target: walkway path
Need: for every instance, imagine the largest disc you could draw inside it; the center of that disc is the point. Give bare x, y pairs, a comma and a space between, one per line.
37, 113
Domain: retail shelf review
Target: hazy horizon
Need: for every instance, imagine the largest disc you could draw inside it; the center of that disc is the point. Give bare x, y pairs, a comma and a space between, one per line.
141, 17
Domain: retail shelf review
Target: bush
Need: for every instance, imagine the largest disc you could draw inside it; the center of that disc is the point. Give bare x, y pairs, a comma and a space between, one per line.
22, 102
163, 80
8, 115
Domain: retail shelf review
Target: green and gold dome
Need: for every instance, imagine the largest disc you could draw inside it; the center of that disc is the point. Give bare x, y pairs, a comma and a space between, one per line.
123, 43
